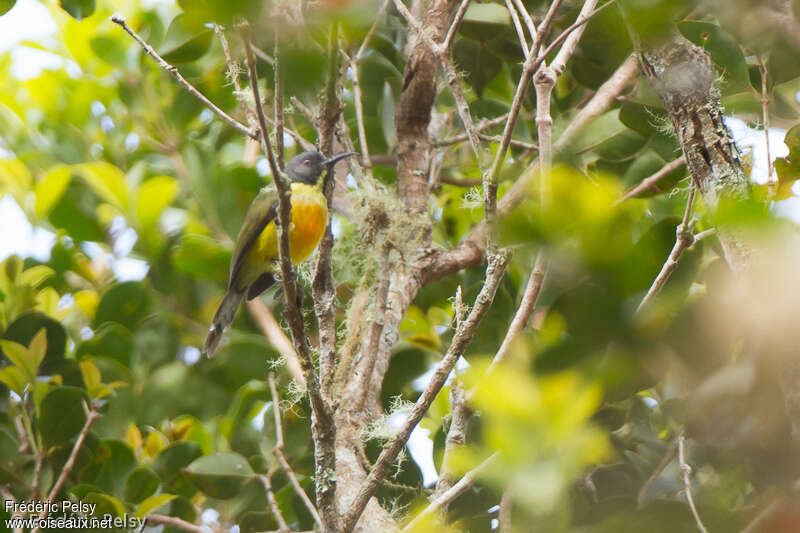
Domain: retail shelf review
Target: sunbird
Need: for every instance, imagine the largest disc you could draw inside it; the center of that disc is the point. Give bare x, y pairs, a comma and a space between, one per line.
255, 253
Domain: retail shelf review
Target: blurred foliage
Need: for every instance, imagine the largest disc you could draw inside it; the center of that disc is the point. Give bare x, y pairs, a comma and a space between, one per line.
123, 167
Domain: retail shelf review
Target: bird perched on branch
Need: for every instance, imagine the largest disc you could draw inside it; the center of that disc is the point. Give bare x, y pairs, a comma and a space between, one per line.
256, 251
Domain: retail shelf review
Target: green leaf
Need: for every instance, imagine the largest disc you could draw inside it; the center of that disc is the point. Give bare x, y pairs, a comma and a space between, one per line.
93, 380
50, 188
38, 347
153, 197
106, 504
107, 181
6, 5
220, 476
35, 275
79, 9
185, 41
723, 48
62, 415
15, 177
21, 357
125, 303
142, 482
23, 329
484, 21
202, 256
14, 378
111, 340
479, 63
108, 49
174, 457
152, 503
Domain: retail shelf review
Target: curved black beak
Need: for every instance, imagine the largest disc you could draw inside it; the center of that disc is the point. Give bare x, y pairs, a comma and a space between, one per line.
336, 158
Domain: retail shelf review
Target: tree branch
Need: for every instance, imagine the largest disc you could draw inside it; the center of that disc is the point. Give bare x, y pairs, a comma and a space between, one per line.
686, 472
453, 492
523, 314
119, 19
278, 452
684, 238
283, 527
92, 416
649, 182
174, 521
471, 250
461, 339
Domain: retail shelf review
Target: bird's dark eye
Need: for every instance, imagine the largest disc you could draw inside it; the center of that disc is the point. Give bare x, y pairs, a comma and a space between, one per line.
307, 163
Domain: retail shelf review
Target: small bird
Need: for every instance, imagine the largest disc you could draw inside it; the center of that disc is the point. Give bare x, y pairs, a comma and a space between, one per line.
255, 253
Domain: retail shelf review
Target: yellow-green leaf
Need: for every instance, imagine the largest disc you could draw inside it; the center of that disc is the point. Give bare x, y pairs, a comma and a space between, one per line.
152, 503
38, 346
15, 177
21, 357
154, 196
107, 181
50, 189
14, 378
93, 380
36, 275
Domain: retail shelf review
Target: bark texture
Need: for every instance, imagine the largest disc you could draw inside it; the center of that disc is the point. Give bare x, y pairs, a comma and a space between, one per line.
682, 75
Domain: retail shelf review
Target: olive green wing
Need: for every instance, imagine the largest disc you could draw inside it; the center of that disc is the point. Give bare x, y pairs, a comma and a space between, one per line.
261, 212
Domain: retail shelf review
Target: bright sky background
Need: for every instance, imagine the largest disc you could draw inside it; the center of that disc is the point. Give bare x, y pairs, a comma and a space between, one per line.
29, 20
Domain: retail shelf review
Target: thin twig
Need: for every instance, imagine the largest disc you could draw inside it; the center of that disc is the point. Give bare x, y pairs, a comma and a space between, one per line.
92, 416
481, 126
278, 452
686, 472
683, 240
462, 337
270, 328
758, 523
518, 27
454, 492
649, 183
119, 19
529, 23
278, 95
523, 314
323, 289
367, 364
451, 32
640, 498
505, 522
283, 527
456, 435
762, 69
174, 521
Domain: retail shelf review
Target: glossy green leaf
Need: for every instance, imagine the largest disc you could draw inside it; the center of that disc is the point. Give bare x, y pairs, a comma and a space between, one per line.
142, 482
221, 475
185, 40
125, 303
23, 329
6, 6
62, 415
78, 9
174, 457
202, 256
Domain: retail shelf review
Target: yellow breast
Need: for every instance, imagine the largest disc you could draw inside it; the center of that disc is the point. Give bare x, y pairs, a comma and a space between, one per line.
309, 221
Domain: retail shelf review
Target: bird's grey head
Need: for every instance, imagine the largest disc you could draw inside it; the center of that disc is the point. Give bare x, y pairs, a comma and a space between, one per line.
308, 166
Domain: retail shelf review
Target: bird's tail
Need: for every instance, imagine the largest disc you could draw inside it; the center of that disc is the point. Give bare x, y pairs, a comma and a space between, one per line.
222, 319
